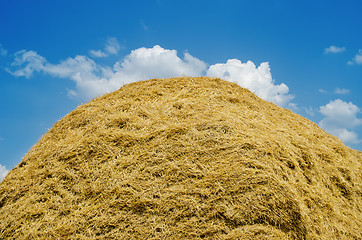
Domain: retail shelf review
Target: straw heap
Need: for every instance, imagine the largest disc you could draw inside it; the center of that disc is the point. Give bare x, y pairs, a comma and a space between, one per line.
184, 158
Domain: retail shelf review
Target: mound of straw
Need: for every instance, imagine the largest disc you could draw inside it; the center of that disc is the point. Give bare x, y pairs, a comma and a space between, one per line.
184, 158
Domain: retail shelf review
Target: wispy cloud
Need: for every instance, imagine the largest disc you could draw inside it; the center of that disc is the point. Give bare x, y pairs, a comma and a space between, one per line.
26, 63
357, 59
334, 49
3, 172
144, 26
89, 77
340, 118
293, 106
310, 110
112, 47
92, 79
3, 51
322, 91
257, 79
341, 91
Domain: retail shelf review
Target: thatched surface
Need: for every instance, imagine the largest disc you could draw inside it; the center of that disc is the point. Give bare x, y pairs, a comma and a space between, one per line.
184, 158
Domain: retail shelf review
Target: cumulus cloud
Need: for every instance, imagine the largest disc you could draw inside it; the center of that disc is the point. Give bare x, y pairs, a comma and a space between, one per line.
256, 79
3, 51
92, 79
341, 91
3, 172
140, 64
339, 113
144, 63
357, 59
339, 116
348, 137
334, 49
112, 47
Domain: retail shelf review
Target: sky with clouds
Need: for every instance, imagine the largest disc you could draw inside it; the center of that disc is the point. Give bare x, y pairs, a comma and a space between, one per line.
305, 56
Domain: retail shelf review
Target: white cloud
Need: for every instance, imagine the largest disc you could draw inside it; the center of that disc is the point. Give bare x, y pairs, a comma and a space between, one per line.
144, 26
357, 59
88, 76
98, 53
144, 63
3, 172
81, 69
258, 80
3, 51
71, 67
92, 79
341, 91
111, 48
334, 49
322, 91
294, 107
348, 137
339, 116
27, 62
310, 110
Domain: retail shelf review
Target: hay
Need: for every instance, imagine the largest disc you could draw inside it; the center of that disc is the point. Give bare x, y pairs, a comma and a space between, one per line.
183, 158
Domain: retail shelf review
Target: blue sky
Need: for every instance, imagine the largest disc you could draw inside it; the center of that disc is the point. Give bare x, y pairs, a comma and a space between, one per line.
54, 55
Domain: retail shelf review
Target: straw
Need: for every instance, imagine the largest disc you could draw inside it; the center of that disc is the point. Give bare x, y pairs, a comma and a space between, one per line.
184, 158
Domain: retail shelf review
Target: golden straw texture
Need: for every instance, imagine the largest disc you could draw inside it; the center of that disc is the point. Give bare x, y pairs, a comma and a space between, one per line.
184, 158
